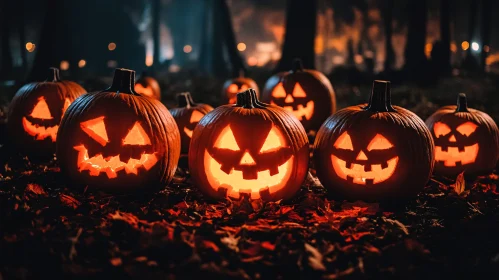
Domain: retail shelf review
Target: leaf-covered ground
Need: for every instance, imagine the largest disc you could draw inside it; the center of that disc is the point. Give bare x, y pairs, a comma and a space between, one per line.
49, 230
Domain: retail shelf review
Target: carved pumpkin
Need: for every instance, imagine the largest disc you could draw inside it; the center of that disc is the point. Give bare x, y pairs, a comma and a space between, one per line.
306, 93
36, 111
118, 140
234, 86
250, 148
148, 86
187, 116
465, 140
374, 151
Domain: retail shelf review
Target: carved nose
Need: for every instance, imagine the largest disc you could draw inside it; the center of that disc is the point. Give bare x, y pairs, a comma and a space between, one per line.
452, 139
289, 99
247, 159
361, 156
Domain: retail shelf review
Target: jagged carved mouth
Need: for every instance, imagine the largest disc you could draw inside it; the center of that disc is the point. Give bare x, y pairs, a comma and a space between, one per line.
234, 181
40, 132
112, 165
364, 174
454, 156
301, 112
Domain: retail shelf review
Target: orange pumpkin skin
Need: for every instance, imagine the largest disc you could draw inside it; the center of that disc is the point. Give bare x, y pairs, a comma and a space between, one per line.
249, 149
307, 93
36, 112
465, 140
187, 116
148, 86
374, 152
117, 140
232, 87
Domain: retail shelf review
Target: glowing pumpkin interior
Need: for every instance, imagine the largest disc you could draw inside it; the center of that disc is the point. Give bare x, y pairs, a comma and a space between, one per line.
97, 164
296, 102
233, 89
195, 118
41, 112
451, 149
359, 169
147, 91
238, 169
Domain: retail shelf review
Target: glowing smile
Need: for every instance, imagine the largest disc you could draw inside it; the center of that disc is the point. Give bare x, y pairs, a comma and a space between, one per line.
364, 174
111, 165
235, 184
452, 156
301, 111
41, 132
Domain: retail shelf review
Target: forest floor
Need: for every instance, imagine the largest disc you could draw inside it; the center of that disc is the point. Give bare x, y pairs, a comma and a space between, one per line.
450, 230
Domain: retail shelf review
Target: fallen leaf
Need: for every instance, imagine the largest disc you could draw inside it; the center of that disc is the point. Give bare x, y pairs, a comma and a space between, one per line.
116, 261
314, 257
69, 201
35, 189
460, 185
400, 225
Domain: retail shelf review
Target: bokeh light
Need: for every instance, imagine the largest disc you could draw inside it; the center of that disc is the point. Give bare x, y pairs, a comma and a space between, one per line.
111, 46
64, 65
187, 48
241, 47
82, 63
465, 45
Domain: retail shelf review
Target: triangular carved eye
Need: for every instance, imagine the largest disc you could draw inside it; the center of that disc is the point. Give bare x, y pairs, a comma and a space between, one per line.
272, 142
441, 129
196, 116
226, 140
233, 88
344, 142
298, 91
467, 128
96, 129
279, 91
379, 142
41, 110
137, 136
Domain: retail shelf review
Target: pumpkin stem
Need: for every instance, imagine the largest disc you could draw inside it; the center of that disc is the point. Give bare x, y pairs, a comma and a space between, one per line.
123, 81
462, 103
53, 75
381, 95
184, 99
297, 65
248, 99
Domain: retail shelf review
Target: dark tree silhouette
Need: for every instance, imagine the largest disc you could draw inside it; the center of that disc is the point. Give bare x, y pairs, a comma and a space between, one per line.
387, 21
5, 21
299, 39
445, 22
470, 62
415, 58
22, 36
235, 59
156, 35
485, 28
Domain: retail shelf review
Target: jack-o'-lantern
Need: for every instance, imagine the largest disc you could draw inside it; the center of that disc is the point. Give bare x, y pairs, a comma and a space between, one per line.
148, 86
465, 140
234, 86
249, 149
118, 140
187, 116
308, 94
36, 111
374, 151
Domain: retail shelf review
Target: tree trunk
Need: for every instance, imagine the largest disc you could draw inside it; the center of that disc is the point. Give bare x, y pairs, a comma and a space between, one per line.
156, 35
299, 39
235, 59
470, 62
486, 18
387, 20
415, 58
445, 21
6, 67
22, 37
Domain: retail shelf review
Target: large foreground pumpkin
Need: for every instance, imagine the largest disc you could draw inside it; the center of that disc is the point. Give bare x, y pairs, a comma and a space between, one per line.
36, 112
118, 140
465, 140
374, 151
249, 148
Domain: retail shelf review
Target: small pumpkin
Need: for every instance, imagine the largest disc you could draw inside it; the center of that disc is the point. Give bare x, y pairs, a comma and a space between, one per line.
306, 93
187, 116
249, 149
148, 86
36, 112
374, 151
465, 140
118, 140
233, 86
